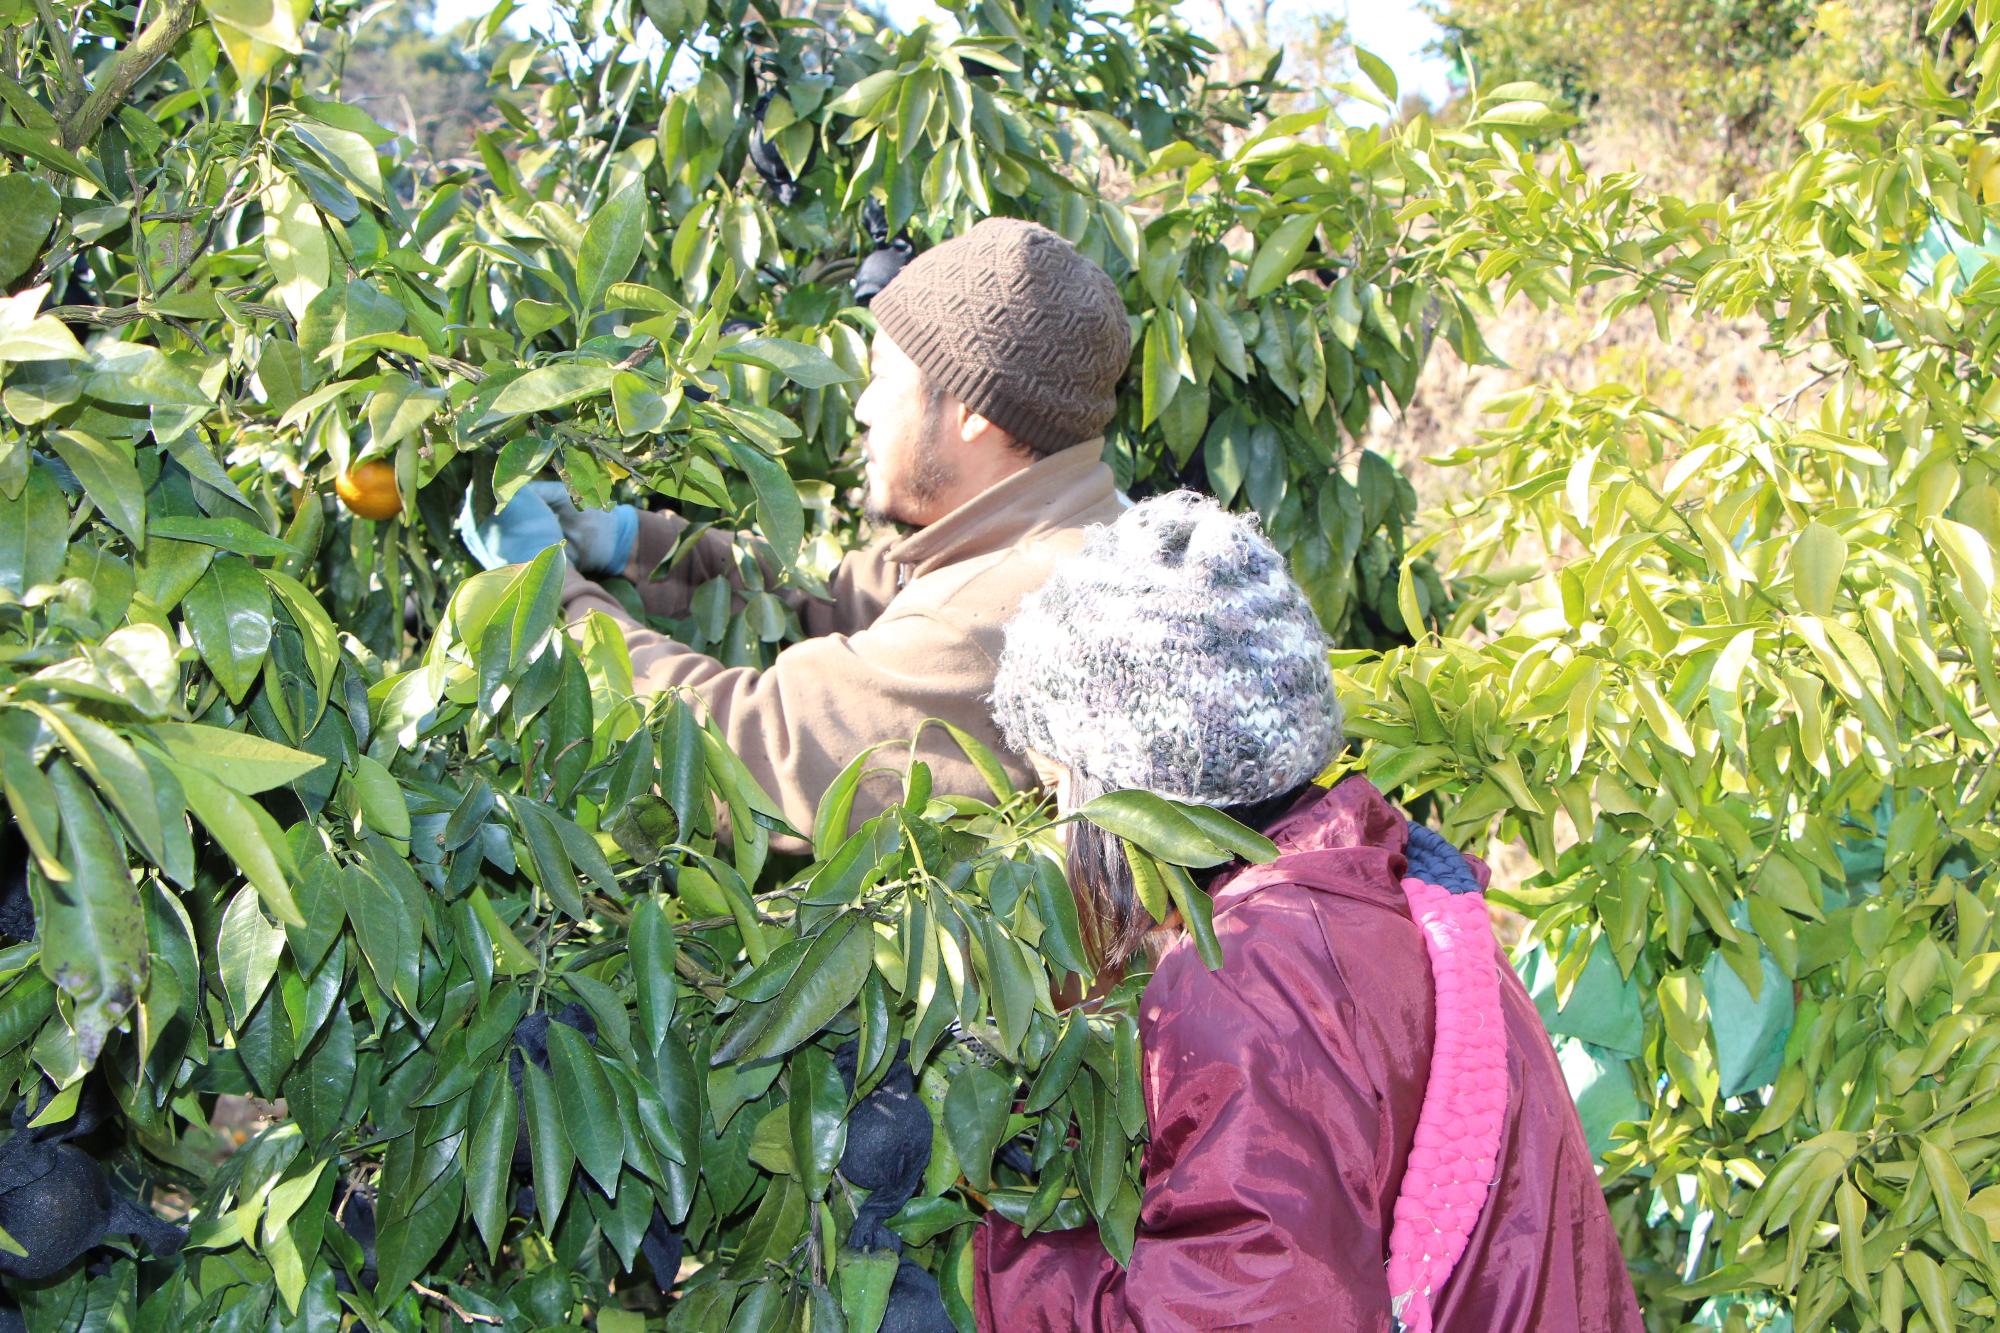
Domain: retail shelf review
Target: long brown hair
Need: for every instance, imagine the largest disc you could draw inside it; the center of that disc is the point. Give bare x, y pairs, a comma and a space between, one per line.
1116, 927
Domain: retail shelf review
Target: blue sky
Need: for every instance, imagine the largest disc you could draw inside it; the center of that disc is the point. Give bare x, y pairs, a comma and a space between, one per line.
1392, 29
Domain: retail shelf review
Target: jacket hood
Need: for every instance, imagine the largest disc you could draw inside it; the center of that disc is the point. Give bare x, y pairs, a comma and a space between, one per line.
1346, 839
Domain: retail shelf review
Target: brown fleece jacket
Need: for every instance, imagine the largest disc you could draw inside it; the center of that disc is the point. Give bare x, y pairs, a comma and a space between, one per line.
913, 630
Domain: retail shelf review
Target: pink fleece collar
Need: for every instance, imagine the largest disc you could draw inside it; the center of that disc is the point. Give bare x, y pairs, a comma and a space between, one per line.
1457, 1145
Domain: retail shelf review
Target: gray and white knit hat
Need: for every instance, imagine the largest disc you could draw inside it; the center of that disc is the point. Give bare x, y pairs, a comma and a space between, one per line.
1173, 653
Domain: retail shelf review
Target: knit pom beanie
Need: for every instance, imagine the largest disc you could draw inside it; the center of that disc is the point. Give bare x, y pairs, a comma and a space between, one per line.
1172, 653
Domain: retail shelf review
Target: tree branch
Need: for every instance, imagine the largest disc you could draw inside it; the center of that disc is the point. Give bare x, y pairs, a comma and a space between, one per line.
463, 1315
111, 316
133, 63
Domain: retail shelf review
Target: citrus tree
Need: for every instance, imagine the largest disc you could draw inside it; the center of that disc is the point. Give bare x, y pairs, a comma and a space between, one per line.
301, 805
1737, 697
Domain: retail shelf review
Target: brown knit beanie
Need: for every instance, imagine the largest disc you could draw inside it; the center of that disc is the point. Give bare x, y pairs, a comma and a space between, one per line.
1018, 326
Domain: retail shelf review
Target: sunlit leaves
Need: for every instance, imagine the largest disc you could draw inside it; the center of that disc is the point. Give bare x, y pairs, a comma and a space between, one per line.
1739, 701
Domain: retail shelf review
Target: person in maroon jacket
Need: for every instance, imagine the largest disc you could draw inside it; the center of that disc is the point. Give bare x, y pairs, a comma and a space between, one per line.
1357, 1122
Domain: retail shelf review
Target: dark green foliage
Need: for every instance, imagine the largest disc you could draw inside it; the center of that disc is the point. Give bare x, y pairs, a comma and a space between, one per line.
305, 807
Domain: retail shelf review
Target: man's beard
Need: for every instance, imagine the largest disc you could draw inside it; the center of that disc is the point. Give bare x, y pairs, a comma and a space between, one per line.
933, 474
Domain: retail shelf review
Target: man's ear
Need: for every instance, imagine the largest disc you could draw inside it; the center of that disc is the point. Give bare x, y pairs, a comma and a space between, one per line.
973, 427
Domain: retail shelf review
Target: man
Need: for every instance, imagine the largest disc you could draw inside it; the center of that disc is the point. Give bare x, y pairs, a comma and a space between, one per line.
994, 374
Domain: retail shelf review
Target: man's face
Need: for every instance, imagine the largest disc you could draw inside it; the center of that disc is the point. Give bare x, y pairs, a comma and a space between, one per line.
906, 453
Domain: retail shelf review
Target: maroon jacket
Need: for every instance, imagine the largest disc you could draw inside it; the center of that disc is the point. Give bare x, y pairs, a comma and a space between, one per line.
1283, 1093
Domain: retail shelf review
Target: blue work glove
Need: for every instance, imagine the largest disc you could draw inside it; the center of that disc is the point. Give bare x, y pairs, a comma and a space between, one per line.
516, 534
600, 540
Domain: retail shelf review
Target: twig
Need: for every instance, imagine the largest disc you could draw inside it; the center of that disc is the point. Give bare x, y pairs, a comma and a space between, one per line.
464, 1315
692, 970
187, 331
638, 355
1785, 404
74, 85
133, 63
457, 367
611, 149
228, 205
140, 251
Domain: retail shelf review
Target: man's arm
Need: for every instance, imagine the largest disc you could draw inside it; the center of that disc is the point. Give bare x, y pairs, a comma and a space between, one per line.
826, 699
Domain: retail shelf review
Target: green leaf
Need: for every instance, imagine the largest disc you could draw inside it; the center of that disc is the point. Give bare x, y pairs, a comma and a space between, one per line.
1162, 827
1197, 915
836, 807
384, 927
807, 367
780, 516
550, 387
28, 209
817, 1113
318, 1091
1245, 842
1666, 723
399, 410
1149, 880
117, 771
228, 534
295, 243
827, 980
29, 144
860, 99
489, 1158
1970, 556
26, 336
92, 926
380, 797
316, 631
975, 1118
1052, 1080
653, 948
1278, 254
611, 244
1055, 905
1378, 72
247, 948
136, 667
639, 408
531, 318
913, 110
1522, 115
1343, 311
548, 1146
549, 864
244, 763
109, 476
229, 614
865, 1277
589, 1109
1011, 989
1160, 371
1817, 557
28, 556
141, 375
521, 460
248, 836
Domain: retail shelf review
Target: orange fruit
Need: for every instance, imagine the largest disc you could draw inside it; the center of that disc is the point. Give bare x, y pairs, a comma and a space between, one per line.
369, 490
